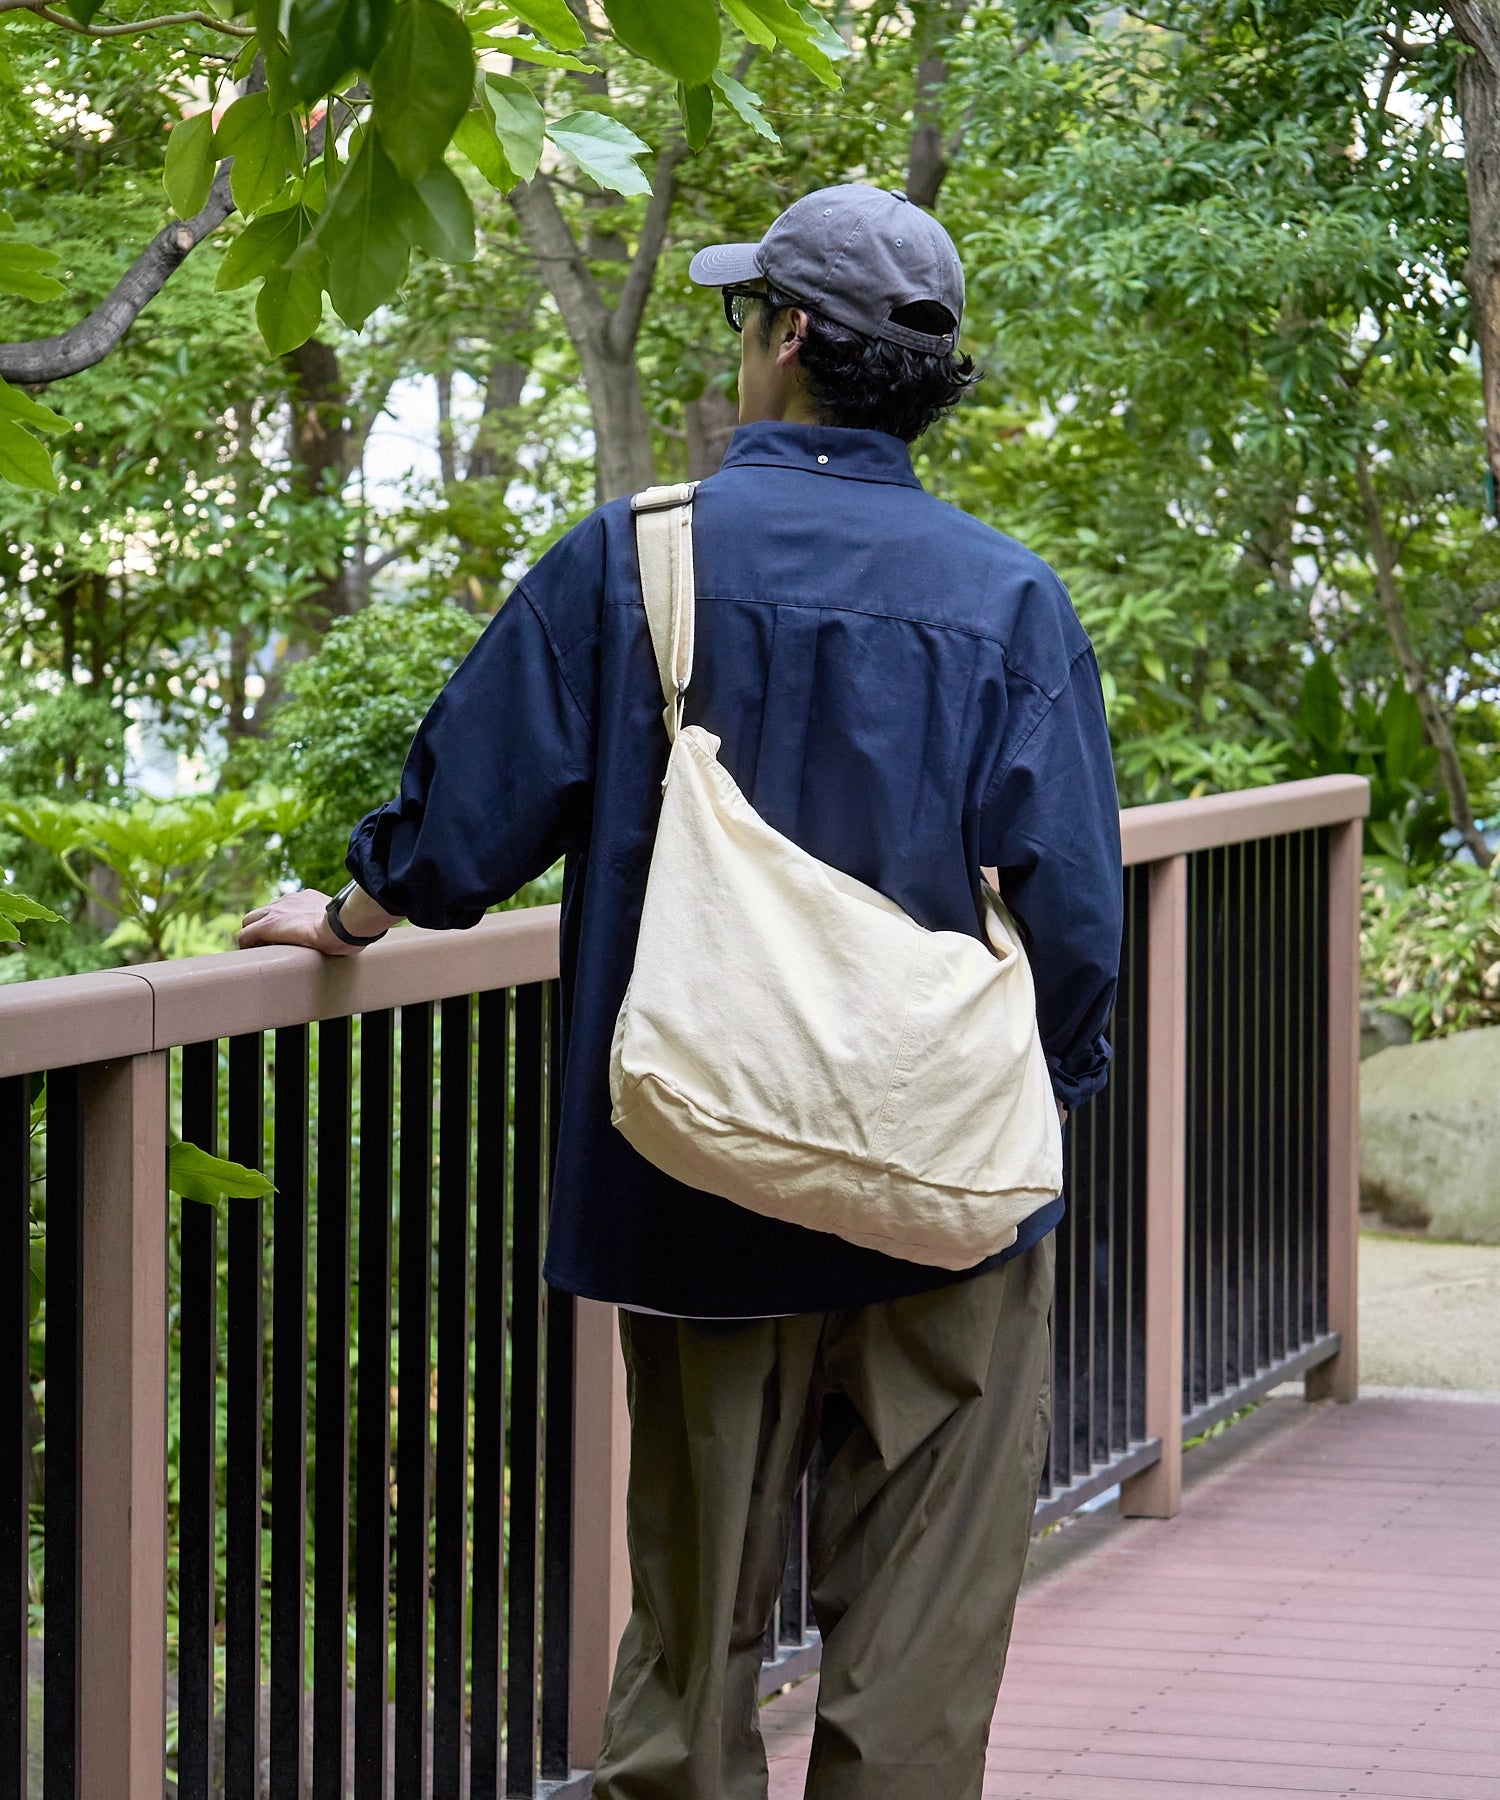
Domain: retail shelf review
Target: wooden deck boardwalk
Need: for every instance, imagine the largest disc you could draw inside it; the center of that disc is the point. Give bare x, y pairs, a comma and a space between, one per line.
1322, 1618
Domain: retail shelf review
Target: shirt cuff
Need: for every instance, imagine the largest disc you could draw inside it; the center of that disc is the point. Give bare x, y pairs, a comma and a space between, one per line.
1078, 1078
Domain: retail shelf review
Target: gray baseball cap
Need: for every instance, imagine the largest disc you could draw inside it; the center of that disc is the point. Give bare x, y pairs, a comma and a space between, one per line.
857, 254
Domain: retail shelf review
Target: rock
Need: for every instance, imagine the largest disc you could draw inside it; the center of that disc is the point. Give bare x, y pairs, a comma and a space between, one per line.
1430, 1136
1380, 1030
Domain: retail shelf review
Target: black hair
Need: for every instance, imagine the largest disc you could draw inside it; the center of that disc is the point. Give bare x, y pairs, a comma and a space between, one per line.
871, 384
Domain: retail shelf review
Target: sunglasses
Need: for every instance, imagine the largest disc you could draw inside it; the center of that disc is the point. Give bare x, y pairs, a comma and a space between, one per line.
738, 300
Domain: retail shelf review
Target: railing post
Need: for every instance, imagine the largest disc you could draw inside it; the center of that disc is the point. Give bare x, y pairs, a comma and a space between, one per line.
1338, 1379
601, 1570
123, 1579
1156, 1493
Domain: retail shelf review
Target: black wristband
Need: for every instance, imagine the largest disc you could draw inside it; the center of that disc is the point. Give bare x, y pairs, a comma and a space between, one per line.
338, 927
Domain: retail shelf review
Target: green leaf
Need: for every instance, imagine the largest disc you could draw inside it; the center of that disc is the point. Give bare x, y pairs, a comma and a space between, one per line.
476, 138
22, 271
525, 49
264, 245
265, 148
21, 909
289, 306
84, 10
7, 223
438, 216
806, 33
518, 119
421, 84
552, 20
189, 170
278, 67
602, 148
38, 1272
1405, 738
22, 409
680, 36
1322, 707
696, 104
330, 38
363, 235
24, 461
196, 1175
746, 104
754, 27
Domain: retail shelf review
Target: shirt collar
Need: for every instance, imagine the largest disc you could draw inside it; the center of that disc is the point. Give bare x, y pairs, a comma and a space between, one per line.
823, 450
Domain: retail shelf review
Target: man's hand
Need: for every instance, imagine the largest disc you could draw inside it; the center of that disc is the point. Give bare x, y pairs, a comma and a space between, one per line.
1062, 1112
299, 918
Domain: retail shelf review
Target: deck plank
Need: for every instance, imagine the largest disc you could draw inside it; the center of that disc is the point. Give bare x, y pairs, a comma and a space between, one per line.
1323, 1617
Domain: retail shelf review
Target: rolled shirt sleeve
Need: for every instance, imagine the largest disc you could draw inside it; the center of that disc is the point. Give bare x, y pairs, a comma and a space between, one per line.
496, 787
1051, 829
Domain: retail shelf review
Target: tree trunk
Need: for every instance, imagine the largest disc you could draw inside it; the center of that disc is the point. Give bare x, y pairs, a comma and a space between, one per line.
605, 337
623, 458
1478, 24
711, 420
1393, 612
502, 391
321, 443
927, 158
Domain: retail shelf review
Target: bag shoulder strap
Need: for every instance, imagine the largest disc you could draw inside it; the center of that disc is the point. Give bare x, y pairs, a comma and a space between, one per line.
664, 546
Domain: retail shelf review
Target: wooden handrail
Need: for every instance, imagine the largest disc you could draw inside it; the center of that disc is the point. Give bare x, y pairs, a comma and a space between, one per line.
72, 1019
1178, 827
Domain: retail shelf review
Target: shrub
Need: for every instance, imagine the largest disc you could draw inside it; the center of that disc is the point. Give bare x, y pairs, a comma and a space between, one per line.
1431, 949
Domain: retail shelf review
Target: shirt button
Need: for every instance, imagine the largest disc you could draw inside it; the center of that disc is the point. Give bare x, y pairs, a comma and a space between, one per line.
822, 459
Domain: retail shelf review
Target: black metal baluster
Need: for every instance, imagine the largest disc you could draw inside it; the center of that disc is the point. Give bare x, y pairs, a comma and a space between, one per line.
289, 1225
450, 1483
15, 1448
372, 1580
331, 1416
523, 1445
491, 1313
557, 1542
63, 1426
1320, 1041
1308, 975
244, 1376
1138, 1078
413, 1416
197, 1433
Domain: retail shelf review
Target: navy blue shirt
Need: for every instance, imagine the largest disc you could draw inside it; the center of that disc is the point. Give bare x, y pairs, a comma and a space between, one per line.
901, 690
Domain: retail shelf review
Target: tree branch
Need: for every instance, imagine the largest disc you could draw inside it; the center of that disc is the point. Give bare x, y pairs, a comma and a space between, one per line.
1393, 612
624, 326
167, 22
1478, 23
37, 361
89, 341
554, 247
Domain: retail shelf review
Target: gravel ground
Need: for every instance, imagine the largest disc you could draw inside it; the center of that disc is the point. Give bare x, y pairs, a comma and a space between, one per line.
1429, 1314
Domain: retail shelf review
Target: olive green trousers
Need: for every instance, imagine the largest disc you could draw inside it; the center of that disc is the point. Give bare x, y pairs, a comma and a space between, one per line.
933, 1414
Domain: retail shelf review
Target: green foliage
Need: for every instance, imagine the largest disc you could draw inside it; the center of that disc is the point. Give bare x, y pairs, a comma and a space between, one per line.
1430, 949
23, 457
17, 910
196, 1175
342, 733
1210, 279
604, 149
1384, 742
169, 858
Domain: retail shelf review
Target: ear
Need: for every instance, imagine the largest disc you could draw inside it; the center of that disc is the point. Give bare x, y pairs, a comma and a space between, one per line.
793, 336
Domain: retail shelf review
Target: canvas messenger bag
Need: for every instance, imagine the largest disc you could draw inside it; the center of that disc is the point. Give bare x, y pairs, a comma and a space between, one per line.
791, 1039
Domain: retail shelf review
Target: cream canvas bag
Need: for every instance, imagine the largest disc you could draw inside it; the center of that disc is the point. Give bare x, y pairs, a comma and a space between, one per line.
795, 1042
